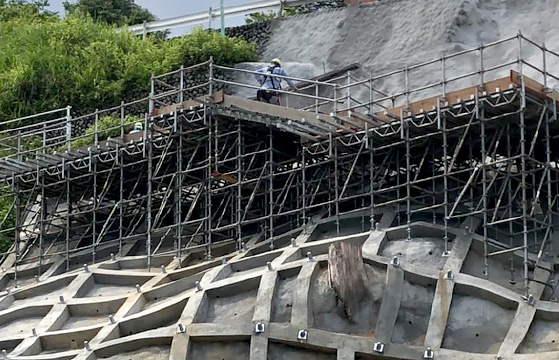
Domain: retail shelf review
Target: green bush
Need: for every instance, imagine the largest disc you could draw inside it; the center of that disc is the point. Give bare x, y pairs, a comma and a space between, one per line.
47, 62
107, 126
50, 63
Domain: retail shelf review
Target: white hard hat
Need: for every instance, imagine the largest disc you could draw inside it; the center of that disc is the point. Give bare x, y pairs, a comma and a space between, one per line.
276, 61
138, 126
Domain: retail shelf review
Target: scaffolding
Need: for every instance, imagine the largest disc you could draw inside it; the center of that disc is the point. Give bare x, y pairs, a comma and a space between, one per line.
473, 139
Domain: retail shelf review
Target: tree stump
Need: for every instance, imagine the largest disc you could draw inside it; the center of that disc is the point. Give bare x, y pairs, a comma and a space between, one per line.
347, 276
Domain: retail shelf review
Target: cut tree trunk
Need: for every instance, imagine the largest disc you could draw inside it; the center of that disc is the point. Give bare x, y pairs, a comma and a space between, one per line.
347, 275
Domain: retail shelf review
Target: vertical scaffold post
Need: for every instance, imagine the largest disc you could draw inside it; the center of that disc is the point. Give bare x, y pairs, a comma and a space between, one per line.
120, 160
181, 85
330, 159
151, 101
122, 118
349, 90
304, 183
433, 185
240, 179
208, 186
442, 119
407, 87
370, 135
19, 148
44, 146
544, 64
398, 186
406, 132
364, 177
271, 187
443, 77
96, 127
68, 126
211, 75
481, 68
179, 180
523, 164
316, 97
148, 142
406, 124
335, 107
18, 223
93, 164
548, 173
66, 168
509, 206
42, 217
336, 187
370, 94
481, 118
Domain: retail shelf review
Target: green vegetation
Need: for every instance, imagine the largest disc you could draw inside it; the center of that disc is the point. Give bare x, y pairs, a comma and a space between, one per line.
50, 63
260, 17
287, 11
107, 126
47, 62
118, 12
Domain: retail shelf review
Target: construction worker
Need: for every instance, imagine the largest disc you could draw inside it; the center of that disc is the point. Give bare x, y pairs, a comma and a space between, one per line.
269, 83
137, 128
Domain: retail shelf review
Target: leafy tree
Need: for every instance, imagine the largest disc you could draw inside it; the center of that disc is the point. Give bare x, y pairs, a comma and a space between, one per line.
10, 9
48, 64
118, 12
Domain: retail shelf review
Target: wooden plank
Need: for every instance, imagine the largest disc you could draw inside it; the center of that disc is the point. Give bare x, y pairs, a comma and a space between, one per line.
532, 86
453, 97
167, 110
272, 110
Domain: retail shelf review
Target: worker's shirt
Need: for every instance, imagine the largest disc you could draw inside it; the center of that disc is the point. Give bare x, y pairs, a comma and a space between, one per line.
268, 81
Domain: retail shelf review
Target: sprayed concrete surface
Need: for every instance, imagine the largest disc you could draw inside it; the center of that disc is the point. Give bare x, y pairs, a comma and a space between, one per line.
285, 352
543, 336
233, 309
19, 326
476, 325
283, 300
234, 350
81, 321
419, 251
147, 353
349, 226
388, 35
413, 317
31, 300
109, 290
499, 272
326, 314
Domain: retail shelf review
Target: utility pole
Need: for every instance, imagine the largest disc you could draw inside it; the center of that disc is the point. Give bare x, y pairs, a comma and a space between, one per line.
222, 19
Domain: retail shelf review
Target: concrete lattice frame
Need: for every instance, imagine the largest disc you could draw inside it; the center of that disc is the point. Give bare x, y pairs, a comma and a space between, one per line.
180, 295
